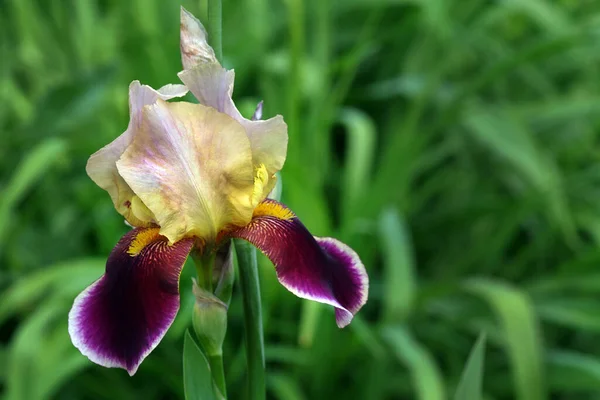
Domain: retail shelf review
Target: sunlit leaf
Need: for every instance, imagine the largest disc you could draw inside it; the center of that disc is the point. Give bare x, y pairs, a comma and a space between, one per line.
426, 377
469, 387
569, 371
284, 387
400, 281
197, 378
520, 327
33, 167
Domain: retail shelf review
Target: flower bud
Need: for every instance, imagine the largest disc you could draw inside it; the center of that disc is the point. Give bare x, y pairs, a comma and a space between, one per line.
209, 320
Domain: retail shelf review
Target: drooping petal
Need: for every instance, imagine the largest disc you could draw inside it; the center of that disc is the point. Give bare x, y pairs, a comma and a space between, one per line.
119, 319
102, 167
212, 85
192, 167
320, 269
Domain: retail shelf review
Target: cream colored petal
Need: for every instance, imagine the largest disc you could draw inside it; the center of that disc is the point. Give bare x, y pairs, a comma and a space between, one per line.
269, 141
192, 167
193, 38
140, 211
101, 166
212, 85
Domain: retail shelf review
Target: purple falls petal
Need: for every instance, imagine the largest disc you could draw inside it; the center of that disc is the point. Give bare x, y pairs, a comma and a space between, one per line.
320, 269
119, 319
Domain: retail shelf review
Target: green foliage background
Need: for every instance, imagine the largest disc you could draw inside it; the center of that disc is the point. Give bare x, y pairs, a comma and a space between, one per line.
453, 144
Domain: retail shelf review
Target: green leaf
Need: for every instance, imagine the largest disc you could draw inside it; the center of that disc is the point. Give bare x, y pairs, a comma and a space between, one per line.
367, 336
31, 169
361, 132
469, 387
41, 356
399, 282
309, 321
580, 314
546, 14
71, 103
284, 387
521, 333
569, 371
62, 281
510, 139
197, 378
426, 376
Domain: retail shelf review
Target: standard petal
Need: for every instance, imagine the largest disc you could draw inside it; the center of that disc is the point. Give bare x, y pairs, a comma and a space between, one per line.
102, 167
212, 85
320, 269
192, 167
120, 318
193, 43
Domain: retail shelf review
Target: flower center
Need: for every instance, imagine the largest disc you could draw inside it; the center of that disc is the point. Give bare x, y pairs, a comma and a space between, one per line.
142, 239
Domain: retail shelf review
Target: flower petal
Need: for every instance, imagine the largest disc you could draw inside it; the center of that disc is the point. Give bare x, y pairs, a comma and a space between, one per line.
192, 167
102, 167
212, 85
119, 319
320, 269
194, 45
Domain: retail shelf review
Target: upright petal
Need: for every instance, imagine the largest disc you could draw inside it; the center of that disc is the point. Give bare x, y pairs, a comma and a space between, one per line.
121, 318
193, 43
320, 269
102, 165
192, 167
212, 85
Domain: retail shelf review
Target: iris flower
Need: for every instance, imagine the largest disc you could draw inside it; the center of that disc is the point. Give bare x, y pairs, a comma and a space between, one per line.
190, 177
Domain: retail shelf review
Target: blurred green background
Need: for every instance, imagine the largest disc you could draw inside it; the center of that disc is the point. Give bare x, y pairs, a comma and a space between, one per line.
453, 144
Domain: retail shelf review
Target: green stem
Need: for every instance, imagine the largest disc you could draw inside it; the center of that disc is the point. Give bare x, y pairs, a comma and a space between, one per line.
204, 263
255, 351
218, 373
296, 35
215, 27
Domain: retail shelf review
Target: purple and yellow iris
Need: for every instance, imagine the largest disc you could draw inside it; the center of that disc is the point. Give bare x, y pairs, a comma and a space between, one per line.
190, 177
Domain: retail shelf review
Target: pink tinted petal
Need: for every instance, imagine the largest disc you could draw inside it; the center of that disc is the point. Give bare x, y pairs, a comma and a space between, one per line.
212, 85
101, 166
193, 41
320, 269
119, 319
192, 167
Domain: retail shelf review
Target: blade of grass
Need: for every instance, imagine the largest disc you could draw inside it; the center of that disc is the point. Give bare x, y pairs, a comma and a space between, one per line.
399, 284
523, 340
427, 379
469, 387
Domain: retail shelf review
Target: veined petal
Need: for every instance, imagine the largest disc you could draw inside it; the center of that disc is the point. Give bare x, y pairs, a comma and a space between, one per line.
320, 269
119, 319
102, 167
194, 46
212, 85
192, 167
